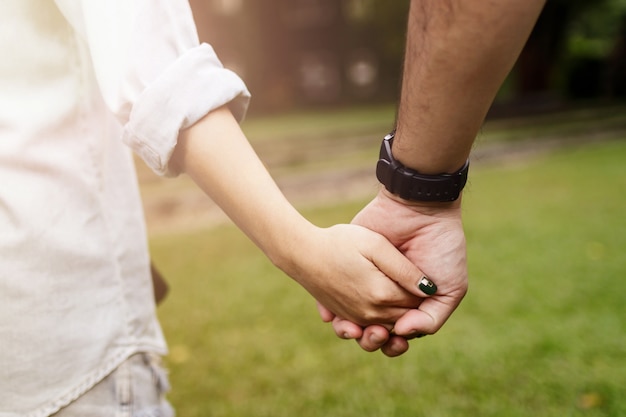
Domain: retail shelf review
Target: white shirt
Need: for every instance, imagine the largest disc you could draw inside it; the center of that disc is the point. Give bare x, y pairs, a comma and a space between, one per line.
78, 80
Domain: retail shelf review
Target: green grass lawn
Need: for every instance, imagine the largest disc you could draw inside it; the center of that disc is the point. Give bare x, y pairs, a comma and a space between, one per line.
542, 331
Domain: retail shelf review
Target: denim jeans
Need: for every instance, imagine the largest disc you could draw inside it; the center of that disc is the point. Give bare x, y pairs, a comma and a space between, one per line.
135, 389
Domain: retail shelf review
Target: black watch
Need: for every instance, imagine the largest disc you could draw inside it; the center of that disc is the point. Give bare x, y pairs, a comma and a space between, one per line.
411, 185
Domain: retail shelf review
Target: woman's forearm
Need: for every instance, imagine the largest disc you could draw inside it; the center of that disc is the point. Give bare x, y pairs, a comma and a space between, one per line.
215, 153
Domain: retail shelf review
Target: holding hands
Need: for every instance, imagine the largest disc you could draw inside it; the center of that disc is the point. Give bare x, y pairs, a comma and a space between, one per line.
448, 86
366, 276
431, 236
352, 270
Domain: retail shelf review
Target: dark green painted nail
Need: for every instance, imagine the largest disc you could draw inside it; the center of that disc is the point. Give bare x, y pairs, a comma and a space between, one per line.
427, 286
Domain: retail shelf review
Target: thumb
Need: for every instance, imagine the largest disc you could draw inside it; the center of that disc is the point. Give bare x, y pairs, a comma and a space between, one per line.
399, 268
326, 315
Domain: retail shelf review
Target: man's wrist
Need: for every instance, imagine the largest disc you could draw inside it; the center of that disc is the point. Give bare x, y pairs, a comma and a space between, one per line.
411, 185
424, 207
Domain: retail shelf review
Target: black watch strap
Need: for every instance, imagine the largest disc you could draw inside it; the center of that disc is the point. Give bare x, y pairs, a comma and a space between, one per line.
411, 185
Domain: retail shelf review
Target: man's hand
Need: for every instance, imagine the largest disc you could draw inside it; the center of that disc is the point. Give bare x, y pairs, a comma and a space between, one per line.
431, 236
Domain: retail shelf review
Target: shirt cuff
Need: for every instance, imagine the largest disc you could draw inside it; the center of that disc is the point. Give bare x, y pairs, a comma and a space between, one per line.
191, 87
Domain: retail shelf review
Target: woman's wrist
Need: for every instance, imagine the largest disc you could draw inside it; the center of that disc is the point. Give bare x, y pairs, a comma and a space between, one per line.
286, 242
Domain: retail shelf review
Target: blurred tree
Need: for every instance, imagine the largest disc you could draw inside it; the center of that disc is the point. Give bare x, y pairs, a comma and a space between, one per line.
595, 63
378, 28
616, 72
570, 48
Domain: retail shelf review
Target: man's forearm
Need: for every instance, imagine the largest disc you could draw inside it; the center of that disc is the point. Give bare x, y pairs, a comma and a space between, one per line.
457, 56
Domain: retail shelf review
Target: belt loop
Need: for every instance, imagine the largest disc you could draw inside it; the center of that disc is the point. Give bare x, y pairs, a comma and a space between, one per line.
124, 390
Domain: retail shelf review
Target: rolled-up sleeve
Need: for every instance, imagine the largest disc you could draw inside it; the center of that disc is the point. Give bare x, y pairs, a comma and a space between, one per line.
152, 72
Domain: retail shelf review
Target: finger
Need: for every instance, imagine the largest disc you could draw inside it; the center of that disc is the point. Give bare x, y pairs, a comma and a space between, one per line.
400, 269
345, 329
428, 318
326, 315
395, 346
374, 337
416, 322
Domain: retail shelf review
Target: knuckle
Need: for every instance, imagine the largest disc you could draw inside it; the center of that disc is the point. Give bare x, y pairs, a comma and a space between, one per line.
370, 316
383, 296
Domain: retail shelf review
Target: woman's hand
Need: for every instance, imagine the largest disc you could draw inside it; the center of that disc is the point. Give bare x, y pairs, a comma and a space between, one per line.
431, 236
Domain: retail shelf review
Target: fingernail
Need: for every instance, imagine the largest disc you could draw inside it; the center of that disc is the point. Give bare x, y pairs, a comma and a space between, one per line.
427, 286
415, 335
374, 338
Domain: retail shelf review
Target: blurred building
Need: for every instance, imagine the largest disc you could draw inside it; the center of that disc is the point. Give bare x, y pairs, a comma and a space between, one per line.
304, 52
